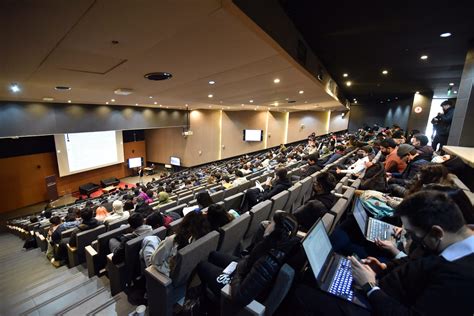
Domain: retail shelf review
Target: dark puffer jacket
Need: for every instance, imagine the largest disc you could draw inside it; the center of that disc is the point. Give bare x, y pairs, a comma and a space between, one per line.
255, 274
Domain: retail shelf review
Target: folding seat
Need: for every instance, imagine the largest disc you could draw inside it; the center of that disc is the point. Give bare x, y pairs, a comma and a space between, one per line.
185, 199
233, 202
164, 207
259, 213
163, 291
97, 251
294, 193
76, 255
125, 272
278, 202
232, 233
116, 224
217, 196
231, 191
280, 288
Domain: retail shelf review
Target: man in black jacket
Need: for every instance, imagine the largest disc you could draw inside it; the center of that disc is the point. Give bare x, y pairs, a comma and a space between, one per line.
312, 166
440, 283
254, 196
442, 124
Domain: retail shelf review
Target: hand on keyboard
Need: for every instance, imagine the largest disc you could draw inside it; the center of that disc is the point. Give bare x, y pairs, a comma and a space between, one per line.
361, 273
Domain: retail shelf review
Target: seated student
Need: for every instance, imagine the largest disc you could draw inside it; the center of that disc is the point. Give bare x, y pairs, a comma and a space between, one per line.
393, 162
70, 221
338, 153
420, 142
359, 166
163, 198
101, 213
46, 216
203, 200
440, 283
414, 163
240, 178
217, 216
88, 222
118, 213
255, 273
321, 201
312, 166
226, 183
193, 226
255, 195
55, 223
137, 228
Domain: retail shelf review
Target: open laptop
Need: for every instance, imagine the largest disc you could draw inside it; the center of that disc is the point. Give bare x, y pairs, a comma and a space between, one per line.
333, 272
371, 228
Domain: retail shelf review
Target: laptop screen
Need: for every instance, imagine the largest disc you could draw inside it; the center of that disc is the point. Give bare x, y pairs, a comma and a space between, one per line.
360, 215
317, 248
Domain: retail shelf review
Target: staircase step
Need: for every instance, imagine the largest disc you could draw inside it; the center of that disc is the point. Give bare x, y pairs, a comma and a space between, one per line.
101, 303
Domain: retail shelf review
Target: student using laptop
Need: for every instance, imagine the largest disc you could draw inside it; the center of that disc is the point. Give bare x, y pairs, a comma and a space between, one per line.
441, 283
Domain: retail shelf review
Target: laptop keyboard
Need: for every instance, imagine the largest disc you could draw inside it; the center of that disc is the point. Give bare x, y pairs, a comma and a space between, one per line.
379, 229
342, 281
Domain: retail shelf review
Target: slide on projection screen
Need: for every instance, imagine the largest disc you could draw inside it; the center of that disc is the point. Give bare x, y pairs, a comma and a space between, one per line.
78, 152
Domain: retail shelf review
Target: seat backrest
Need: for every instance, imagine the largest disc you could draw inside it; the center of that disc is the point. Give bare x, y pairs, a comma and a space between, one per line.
116, 224
356, 184
173, 227
344, 180
189, 257
103, 239
185, 199
231, 191
338, 188
338, 210
328, 220
233, 202
349, 194
67, 233
85, 238
306, 184
280, 288
294, 193
217, 196
259, 213
279, 200
164, 207
193, 202
132, 249
245, 186
232, 233
177, 209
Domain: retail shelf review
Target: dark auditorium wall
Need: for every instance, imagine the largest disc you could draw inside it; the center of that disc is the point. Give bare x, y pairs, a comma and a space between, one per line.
23, 176
382, 114
30, 118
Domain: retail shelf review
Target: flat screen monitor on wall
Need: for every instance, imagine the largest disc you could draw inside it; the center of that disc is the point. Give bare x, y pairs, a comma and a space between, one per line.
253, 135
175, 161
79, 152
135, 162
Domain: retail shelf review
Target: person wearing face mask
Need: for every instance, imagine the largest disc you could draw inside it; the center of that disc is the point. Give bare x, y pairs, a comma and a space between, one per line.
411, 156
359, 166
441, 282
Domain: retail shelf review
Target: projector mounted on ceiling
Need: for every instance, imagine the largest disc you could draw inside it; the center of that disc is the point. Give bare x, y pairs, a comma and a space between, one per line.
123, 91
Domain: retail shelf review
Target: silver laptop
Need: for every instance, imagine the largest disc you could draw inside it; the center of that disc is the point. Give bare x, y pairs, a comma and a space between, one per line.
332, 272
370, 227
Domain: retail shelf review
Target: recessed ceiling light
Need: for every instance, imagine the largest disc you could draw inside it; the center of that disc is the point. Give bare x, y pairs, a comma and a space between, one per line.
136, 103
381, 101
242, 104
14, 88
447, 34
113, 100
305, 101
186, 105
301, 92
424, 57
388, 100
276, 80
161, 105
451, 84
348, 83
455, 92
384, 72
212, 82
276, 103
62, 88
150, 97
48, 99
210, 95
251, 101
417, 92
355, 101
155, 102
396, 98
68, 101
210, 106
158, 76
345, 75
107, 102
255, 109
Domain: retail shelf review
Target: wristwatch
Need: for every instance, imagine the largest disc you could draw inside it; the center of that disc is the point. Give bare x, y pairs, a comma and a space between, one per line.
369, 286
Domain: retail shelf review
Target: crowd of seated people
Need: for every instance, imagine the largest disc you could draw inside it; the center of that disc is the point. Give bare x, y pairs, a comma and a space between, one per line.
427, 269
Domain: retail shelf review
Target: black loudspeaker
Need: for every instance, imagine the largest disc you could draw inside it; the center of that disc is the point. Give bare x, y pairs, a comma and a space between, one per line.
109, 182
